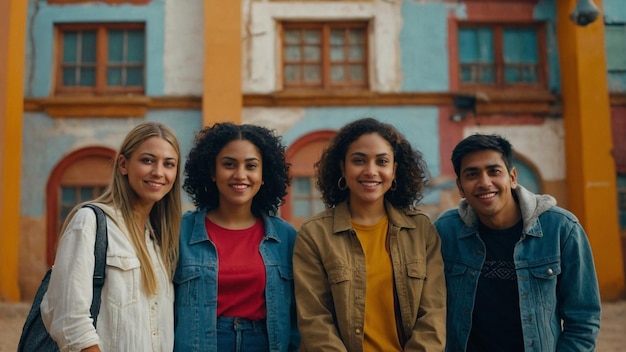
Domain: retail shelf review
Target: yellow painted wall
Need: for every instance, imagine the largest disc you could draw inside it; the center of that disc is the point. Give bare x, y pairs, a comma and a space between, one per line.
221, 98
591, 175
12, 41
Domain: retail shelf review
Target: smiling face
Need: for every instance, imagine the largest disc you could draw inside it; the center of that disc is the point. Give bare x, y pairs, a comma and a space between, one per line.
487, 186
238, 173
151, 170
369, 169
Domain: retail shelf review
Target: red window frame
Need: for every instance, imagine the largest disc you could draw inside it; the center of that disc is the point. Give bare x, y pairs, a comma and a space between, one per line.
499, 65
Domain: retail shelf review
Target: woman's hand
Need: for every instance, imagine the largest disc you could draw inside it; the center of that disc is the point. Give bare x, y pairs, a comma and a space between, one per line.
93, 348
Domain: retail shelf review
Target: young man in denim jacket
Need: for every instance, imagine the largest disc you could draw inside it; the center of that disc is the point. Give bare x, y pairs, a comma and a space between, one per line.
519, 270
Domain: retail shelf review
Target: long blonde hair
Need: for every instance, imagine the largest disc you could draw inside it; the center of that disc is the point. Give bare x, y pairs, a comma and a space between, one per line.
165, 216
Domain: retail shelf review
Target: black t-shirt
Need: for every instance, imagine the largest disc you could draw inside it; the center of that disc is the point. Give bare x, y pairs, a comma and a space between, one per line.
496, 322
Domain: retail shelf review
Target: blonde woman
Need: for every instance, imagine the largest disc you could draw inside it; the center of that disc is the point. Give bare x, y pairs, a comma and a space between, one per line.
143, 209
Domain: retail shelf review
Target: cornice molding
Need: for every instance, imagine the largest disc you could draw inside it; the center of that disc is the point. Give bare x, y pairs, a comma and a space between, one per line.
500, 102
107, 106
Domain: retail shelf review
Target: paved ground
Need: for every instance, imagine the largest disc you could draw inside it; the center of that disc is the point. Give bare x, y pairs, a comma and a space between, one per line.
612, 334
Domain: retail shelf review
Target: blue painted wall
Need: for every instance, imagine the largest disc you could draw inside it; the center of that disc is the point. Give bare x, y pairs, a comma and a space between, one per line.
423, 39
424, 58
424, 47
545, 11
614, 11
47, 142
40, 39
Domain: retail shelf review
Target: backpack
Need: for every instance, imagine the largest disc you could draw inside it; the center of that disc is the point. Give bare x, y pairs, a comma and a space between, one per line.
34, 336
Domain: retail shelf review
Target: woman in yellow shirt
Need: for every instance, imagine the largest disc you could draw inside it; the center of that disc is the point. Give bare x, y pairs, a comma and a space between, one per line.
368, 271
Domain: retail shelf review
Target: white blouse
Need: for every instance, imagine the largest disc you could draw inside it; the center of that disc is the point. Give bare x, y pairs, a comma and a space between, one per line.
130, 319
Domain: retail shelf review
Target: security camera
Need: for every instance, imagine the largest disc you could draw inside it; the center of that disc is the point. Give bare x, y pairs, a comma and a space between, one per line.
584, 13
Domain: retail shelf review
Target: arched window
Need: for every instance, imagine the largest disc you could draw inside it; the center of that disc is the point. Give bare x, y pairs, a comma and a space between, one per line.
80, 176
304, 199
527, 174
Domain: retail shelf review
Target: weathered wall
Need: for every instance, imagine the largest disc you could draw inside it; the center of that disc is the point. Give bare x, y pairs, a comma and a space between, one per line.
409, 52
46, 142
40, 39
409, 43
183, 51
261, 47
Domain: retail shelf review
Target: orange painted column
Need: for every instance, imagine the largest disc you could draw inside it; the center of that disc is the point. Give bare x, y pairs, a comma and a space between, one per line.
221, 98
12, 41
591, 175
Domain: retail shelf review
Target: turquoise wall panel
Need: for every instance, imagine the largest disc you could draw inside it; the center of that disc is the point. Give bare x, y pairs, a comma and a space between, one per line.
545, 11
424, 47
614, 11
47, 141
40, 39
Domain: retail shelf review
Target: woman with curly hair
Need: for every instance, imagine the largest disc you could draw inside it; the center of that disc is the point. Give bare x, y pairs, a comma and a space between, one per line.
368, 271
234, 280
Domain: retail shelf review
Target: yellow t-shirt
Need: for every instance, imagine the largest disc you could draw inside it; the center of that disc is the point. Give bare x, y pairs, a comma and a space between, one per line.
380, 332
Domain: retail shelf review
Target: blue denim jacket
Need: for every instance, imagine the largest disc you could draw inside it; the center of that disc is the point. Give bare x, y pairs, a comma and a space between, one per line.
195, 283
557, 283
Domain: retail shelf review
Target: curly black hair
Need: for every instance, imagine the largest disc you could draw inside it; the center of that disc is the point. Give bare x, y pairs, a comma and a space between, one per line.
411, 173
201, 164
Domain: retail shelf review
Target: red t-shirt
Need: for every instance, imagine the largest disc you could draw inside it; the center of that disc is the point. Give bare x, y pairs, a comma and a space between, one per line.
241, 274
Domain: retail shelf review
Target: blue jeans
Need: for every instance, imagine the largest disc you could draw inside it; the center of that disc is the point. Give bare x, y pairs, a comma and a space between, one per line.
241, 335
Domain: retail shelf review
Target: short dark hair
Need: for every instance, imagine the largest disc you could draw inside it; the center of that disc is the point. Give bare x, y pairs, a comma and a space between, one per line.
200, 166
478, 142
411, 173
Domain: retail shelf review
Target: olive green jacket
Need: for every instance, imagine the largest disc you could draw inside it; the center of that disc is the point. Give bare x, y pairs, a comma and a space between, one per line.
329, 278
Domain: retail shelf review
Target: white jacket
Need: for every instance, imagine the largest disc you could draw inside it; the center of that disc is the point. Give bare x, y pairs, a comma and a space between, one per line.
129, 319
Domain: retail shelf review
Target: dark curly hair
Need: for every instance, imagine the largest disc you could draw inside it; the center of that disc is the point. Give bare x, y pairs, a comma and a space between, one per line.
201, 163
411, 172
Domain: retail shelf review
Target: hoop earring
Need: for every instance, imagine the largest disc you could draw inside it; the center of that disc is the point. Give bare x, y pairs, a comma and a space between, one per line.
345, 183
394, 185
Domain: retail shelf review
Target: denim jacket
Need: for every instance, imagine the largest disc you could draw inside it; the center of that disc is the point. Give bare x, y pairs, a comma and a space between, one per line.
329, 272
557, 283
195, 283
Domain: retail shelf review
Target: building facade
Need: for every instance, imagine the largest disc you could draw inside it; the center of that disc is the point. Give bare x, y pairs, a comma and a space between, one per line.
438, 70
